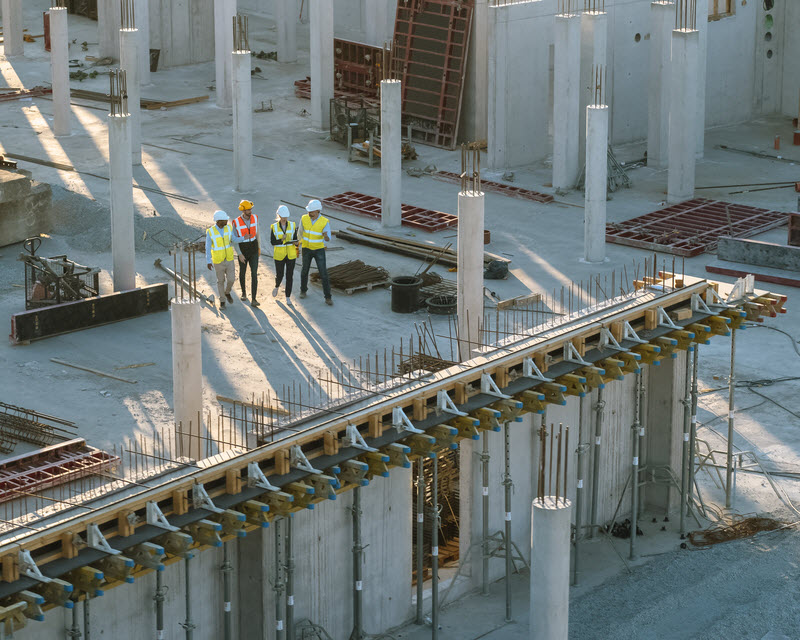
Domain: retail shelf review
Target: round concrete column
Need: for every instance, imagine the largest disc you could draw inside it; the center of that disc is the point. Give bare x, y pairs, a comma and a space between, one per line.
242, 121
130, 63
391, 154
122, 235
286, 24
141, 10
224, 12
187, 375
594, 224
12, 28
59, 70
469, 278
321, 12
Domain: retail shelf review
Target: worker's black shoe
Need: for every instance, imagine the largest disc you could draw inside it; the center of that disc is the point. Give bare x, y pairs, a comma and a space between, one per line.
329, 301
229, 297
254, 303
302, 294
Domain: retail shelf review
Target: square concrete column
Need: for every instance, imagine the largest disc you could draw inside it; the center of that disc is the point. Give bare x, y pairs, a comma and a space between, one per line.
321, 12
12, 28
141, 10
682, 115
286, 24
566, 115
242, 121
129, 61
109, 19
594, 43
224, 12
391, 153
702, 64
662, 20
59, 70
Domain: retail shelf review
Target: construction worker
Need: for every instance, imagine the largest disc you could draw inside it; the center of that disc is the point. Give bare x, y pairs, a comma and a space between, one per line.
247, 244
220, 254
316, 231
284, 241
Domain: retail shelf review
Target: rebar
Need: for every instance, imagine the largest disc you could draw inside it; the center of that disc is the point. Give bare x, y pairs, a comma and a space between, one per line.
118, 92
600, 79
241, 43
470, 168
127, 14
686, 15
594, 6
59, 4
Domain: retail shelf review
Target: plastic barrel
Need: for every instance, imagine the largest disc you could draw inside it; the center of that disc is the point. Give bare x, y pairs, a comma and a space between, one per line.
405, 294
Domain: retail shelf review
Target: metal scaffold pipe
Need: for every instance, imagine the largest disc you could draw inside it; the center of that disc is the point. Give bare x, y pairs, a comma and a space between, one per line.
289, 581
159, 597
435, 551
188, 625
578, 493
598, 434
227, 588
637, 428
484, 458
358, 561
86, 626
420, 534
693, 434
278, 584
507, 486
687, 418
729, 458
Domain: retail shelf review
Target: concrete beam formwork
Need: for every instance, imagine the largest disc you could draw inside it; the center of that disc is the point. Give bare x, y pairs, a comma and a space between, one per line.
122, 238
470, 271
566, 114
662, 19
59, 70
13, 44
129, 62
518, 107
187, 375
141, 11
594, 43
242, 121
594, 225
682, 115
224, 12
550, 534
109, 17
321, 63
286, 24
391, 153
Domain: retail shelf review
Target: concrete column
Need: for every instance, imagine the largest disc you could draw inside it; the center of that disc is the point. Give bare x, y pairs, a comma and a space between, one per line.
594, 224
594, 43
321, 63
470, 271
475, 103
566, 115
224, 12
187, 375
12, 28
701, 8
141, 11
286, 24
242, 121
391, 154
682, 115
59, 70
109, 19
122, 238
129, 61
662, 21
550, 534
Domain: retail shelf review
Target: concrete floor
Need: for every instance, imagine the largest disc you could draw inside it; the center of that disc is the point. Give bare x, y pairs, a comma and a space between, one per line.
247, 350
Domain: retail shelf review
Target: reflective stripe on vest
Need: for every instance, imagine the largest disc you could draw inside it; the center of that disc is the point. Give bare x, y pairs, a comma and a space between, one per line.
247, 232
221, 247
312, 232
286, 249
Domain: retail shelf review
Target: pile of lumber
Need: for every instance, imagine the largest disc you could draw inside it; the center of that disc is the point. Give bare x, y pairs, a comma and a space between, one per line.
151, 105
444, 256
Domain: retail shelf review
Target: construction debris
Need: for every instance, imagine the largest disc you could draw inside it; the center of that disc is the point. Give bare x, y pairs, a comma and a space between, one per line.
51, 281
740, 528
26, 425
94, 371
354, 275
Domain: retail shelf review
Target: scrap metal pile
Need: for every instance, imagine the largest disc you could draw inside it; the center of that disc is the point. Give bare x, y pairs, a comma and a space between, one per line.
54, 280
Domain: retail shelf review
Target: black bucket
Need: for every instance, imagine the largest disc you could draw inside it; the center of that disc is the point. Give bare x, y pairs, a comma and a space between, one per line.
405, 294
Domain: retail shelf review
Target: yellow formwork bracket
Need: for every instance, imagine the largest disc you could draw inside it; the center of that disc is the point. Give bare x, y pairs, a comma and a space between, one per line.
117, 568
467, 427
720, 325
205, 532
532, 401
87, 579
487, 418
56, 592
446, 436
553, 392
233, 522
34, 601
613, 369
631, 361
354, 472
683, 338
702, 332
668, 346
280, 503
398, 454
378, 463
176, 543
303, 495
324, 486
256, 513
147, 555
509, 409
13, 618
421, 444
650, 353
737, 317
575, 384
594, 377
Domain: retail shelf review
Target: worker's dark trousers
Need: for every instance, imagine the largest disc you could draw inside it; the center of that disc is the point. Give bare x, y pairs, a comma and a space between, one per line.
250, 252
288, 266
319, 256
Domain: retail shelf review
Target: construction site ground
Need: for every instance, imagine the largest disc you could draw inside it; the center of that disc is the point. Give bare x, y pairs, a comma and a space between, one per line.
742, 589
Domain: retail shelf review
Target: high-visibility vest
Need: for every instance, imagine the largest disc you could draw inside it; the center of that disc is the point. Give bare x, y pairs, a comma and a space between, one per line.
221, 246
285, 250
312, 232
247, 232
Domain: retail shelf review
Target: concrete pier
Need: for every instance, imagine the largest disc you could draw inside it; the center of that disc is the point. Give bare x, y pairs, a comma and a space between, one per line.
550, 549
109, 18
594, 224
286, 24
391, 153
470, 271
122, 238
662, 19
187, 375
224, 12
594, 44
242, 121
321, 63
566, 115
682, 115
130, 63
12, 28
59, 71
141, 12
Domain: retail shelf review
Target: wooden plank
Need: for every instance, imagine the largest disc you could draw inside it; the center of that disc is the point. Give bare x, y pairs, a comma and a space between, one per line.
331, 443
375, 426
180, 501
278, 411
94, 371
233, 481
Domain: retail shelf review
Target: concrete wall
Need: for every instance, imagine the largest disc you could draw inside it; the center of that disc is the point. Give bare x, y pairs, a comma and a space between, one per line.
183, 30
791, 59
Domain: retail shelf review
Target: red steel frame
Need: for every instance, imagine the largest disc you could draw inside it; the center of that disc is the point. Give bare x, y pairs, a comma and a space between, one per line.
692, 227
431, 39
417, 217
357, 71
498, 187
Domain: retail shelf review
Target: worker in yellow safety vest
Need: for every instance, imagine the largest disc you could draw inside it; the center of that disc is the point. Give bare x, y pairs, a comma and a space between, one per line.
283, 238
220, 255
316, 231
248, 246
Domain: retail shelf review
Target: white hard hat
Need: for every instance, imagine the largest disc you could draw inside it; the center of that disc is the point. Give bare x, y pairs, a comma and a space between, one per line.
314, 205
220, 215
283, 211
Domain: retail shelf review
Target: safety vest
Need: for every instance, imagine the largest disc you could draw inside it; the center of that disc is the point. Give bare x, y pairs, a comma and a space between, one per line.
221, 247
247, 232
312, 232
286, 249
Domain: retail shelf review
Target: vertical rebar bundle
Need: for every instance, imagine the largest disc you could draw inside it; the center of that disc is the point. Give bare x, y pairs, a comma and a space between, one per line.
185, 281
559, 445
470, 168
127, 14
390, 62
600, 77
686, 15
565, 7
594, 6
118, 92
59, 4
240, 33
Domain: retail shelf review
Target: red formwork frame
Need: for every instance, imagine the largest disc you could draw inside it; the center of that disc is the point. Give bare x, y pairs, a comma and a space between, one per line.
693, 227
431, 39
416, 217
356, 71
498, 187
